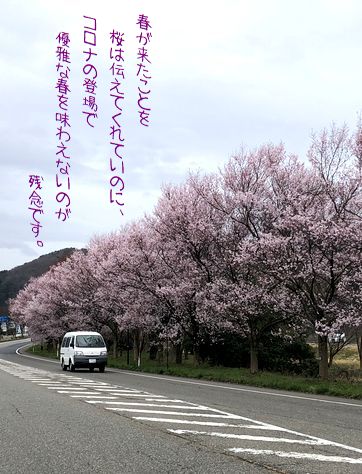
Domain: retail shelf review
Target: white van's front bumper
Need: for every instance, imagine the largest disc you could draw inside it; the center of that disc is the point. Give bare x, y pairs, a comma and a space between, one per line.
89, 361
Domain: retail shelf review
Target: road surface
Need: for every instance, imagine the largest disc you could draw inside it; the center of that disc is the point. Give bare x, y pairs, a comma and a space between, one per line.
127, 422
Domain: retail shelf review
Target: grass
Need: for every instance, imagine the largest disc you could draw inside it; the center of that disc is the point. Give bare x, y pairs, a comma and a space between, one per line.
11, 338
348, 358
36, 350
345, 380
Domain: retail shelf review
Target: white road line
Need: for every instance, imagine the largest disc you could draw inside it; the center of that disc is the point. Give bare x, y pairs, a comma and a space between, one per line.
152, 405
136, 410
175, 400
64, 387
6, 367
282, 454
99, 384
93, 396
118, 390
138, 395
223, 387
78, 392
69, 379
206, 423
268, 439
260, 392
33, 379
45, 384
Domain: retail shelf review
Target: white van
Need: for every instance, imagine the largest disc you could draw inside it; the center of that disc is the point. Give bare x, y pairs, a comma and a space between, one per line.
83, 349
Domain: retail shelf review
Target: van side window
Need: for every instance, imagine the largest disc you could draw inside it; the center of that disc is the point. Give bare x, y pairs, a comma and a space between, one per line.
71, 341
66, 344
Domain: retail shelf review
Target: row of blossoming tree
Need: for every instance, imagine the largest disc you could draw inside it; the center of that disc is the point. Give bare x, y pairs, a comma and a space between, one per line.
267, 245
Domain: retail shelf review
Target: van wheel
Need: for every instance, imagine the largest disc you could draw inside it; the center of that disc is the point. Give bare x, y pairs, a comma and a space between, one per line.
101, 368
64, 367
91, 369
71, 366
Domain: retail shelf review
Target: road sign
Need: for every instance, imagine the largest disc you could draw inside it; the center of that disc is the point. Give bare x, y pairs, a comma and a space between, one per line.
4, 318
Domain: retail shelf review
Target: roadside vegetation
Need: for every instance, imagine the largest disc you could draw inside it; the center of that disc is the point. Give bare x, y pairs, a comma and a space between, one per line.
239, 269
345, 379
11, 338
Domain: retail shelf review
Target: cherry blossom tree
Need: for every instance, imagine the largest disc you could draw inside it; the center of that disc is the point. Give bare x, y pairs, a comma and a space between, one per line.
314, 247
241, 297
185, 229
267, 245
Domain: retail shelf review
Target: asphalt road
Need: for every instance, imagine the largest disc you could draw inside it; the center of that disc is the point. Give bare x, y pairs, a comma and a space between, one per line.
123, 422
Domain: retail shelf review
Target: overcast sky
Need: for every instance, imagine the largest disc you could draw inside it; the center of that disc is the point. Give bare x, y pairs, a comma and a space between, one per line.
224, 75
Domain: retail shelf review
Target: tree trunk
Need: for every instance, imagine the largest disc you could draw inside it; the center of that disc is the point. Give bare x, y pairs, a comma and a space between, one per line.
153, 352
138, 346
178, 353
115, 334
323, 356
331, 355
254, 365
330, 360
160, 353
135, 347
359, 347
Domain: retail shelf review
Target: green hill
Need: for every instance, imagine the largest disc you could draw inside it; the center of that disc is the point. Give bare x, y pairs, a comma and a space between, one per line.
11, 281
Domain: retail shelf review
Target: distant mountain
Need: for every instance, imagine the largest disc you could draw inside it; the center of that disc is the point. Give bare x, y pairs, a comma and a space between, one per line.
11, 281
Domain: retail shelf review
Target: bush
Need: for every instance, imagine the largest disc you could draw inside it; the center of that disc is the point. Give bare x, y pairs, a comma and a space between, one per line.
275, 354
279, 355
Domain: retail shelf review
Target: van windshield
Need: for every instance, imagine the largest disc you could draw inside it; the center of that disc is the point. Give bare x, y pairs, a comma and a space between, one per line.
91, 340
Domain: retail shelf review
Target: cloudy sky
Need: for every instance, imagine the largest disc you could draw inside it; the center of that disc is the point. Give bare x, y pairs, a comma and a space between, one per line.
224, 75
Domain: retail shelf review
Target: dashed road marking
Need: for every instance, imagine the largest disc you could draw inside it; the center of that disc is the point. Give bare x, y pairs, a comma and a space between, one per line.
283, 454
162, 412
185, 407
207, 423
77, 392
145, 406
268, 439
93, 396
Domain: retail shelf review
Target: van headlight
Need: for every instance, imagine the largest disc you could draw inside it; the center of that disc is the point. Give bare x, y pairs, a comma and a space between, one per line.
78, 353
103, 353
